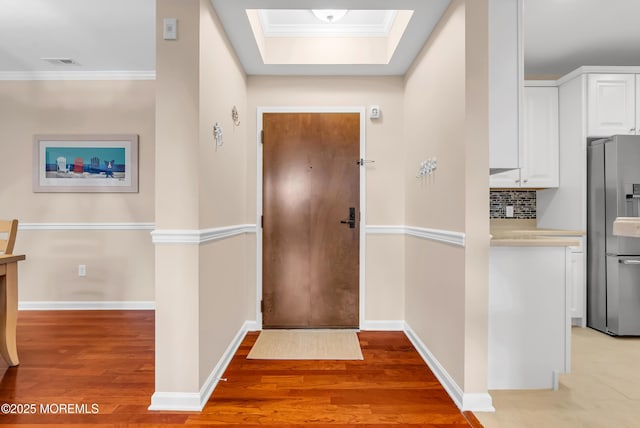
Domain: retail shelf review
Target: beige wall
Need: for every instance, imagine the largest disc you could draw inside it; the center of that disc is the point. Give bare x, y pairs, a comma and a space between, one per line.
384, 137
222, 182
384, 143
201, 290
385, 278
177, 117
435, 120
326, 50
446, 111
50, 272
476, 197
223, 298
119, 266
177, 266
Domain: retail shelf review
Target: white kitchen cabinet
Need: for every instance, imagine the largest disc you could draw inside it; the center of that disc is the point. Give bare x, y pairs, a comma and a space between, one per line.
505, 180
506, 74
611, 105
575, 269
539, 147
576, 284
529, 328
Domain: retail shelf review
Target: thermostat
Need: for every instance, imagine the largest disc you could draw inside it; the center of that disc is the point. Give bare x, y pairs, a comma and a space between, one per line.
374, 112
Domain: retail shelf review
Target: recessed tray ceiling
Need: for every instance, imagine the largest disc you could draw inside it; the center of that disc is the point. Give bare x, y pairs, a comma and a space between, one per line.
295, 37
288, 39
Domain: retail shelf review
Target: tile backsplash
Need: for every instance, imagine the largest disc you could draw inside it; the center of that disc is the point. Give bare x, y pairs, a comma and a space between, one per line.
523, 202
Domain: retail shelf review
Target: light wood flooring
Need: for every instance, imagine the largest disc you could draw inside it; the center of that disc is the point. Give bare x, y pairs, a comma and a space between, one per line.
602, 390
107, 358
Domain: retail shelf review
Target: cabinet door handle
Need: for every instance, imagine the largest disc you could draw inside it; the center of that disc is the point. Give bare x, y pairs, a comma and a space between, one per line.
632, 130
518, 181
526, 180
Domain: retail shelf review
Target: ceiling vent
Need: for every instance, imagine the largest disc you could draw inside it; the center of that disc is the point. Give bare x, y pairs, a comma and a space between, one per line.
60, 61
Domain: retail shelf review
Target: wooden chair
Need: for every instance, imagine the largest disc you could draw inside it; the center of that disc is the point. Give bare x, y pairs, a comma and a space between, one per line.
8, 228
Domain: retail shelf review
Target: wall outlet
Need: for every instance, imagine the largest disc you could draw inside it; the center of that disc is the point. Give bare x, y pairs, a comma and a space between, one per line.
82, 270
509, 211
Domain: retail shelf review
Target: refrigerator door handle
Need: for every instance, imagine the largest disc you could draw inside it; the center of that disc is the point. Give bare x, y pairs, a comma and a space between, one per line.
629, 261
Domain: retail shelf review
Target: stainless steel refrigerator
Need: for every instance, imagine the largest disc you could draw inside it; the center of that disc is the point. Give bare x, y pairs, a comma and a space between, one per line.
613, 262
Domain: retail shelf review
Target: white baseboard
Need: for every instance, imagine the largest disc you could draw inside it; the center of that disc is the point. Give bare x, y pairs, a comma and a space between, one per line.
474, 402
481, 402
192, 401
382, 325
85, 306
176, 401
252, 326
217, 372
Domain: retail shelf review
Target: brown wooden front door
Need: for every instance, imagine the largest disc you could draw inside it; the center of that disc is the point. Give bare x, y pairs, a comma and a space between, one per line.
310, 260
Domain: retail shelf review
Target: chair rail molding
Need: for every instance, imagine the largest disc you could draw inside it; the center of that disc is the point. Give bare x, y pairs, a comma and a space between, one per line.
444, 236
199, 236
86, 226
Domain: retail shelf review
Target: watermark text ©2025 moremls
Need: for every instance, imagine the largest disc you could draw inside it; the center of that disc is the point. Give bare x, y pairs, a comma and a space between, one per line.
49, 408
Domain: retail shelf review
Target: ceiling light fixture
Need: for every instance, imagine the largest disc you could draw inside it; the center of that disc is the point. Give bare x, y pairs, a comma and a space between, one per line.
329, 15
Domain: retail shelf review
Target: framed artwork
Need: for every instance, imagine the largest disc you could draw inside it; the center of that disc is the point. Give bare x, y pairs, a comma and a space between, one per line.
85, 163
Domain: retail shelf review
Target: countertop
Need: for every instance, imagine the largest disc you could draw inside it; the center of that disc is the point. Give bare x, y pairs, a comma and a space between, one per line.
525, 233
627, 226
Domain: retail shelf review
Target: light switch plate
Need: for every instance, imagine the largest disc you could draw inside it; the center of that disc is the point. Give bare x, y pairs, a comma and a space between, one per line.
169, 29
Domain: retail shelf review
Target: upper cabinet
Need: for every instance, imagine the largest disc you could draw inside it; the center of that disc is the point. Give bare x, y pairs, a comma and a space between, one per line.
611, 105
539, 147
505, 82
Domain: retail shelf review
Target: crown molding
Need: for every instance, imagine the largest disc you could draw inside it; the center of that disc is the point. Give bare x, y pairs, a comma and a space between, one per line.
270, 29
78, 75
598, 69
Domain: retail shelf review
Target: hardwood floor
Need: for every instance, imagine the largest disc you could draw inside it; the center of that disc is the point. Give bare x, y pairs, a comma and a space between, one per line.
102, 362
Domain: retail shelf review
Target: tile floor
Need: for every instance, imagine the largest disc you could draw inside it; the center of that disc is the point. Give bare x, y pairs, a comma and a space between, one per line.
602, 390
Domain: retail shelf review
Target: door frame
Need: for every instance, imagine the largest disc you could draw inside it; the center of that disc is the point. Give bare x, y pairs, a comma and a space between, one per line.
259, 208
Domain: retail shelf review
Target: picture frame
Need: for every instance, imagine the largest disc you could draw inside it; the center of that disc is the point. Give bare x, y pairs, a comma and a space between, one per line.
85, 163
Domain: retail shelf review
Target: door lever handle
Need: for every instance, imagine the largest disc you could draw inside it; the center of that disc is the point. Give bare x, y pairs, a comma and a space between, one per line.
352, 218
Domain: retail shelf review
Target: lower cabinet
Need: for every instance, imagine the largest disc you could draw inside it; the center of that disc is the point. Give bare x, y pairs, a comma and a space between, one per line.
577, 287
529, 321
576, 283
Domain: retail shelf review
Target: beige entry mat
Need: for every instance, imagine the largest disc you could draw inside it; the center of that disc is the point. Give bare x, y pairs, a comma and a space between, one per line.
306, 345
